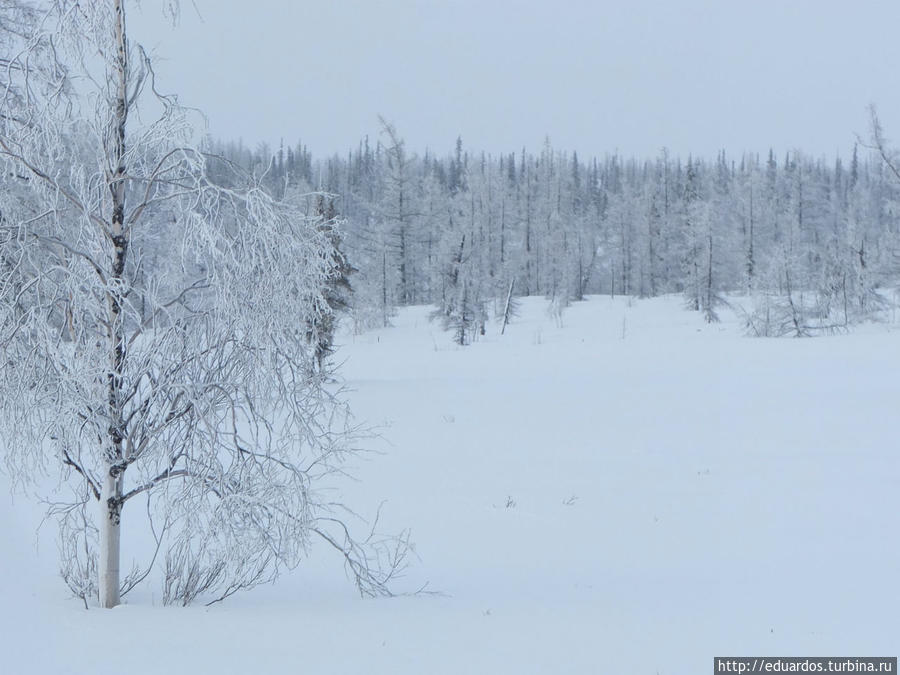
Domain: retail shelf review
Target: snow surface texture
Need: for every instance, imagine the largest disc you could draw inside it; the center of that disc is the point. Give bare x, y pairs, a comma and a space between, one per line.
632, 491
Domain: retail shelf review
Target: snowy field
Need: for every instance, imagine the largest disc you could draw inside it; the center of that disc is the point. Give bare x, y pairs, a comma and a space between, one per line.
632, 491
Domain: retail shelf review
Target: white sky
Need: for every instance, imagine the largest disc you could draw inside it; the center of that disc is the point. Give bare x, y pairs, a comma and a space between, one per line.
595, 76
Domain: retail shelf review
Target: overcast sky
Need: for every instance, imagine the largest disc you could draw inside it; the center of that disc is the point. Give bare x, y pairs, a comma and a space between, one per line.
595, 76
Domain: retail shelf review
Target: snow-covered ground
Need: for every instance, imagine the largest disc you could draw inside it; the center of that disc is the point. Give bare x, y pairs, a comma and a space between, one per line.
632, 491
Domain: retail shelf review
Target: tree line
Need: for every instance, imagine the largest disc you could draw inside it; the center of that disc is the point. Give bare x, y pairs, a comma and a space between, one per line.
813, 241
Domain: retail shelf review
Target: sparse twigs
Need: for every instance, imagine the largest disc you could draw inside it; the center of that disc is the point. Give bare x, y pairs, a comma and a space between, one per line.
373, 563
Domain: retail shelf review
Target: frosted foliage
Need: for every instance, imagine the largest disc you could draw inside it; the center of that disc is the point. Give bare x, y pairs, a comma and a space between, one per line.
164, 346
563, 227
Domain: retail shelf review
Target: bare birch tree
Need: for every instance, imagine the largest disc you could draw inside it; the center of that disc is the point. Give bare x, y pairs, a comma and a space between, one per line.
153, 325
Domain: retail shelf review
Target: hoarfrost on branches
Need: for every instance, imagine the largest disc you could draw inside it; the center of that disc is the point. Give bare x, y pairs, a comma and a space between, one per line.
155, 313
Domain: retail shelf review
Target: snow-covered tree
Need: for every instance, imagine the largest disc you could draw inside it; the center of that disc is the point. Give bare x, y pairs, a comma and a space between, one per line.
153, 324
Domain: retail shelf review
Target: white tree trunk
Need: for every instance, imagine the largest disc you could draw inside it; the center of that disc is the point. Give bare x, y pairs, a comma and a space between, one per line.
111, 494
110, 524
